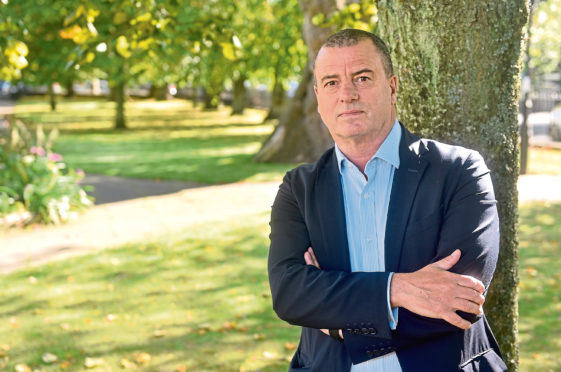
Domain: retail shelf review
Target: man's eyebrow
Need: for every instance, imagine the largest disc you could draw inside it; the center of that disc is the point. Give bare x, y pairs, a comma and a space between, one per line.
328, 77
364, 70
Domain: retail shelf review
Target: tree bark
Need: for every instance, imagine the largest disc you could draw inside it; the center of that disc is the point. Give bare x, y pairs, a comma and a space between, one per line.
524, 135
459, 65
300, 135
52, 96
239, 102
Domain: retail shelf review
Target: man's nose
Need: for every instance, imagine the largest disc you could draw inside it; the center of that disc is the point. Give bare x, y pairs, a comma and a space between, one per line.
349, 92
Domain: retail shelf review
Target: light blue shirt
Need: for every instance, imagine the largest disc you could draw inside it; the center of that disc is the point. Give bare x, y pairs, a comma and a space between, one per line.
366, 211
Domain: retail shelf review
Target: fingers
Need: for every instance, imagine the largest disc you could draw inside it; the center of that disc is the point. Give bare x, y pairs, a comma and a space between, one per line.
471, 282
457, 320
448, 262
310, 258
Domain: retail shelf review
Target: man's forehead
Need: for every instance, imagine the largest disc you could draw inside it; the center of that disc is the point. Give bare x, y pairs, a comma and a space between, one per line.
358, 56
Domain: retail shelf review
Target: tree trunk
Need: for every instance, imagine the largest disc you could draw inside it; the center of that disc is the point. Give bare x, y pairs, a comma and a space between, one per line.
119, 94
278, 96
239, 102
210, 99
69, 89
300, 135
52, 96
458, 65
524, 135
159, 92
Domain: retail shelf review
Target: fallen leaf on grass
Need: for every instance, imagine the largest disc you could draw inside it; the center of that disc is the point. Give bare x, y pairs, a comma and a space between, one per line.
159, 333
290, 346
93, 362
229, 325
5, 347
143, 358
127, 364
110, 318
49, 358
258, 336
532, 271
65, 326
14, 322
65, 364
181, 368
22, 368
32, 279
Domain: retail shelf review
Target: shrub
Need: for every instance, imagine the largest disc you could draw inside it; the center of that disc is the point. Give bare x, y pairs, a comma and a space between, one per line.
34, 179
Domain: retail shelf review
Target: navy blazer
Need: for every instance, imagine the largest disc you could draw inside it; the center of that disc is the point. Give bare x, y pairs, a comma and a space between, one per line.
442, 199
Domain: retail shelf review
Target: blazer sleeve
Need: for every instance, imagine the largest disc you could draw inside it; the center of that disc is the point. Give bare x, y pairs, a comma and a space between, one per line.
469, 223
306, 296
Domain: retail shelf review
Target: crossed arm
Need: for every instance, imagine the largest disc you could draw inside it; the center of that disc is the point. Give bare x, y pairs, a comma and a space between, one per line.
432, 291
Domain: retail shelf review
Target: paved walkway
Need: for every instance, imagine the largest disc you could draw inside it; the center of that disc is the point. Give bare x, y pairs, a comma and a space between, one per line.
114, 224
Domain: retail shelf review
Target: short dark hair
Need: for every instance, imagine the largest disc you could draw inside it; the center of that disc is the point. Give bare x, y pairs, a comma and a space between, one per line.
350, 37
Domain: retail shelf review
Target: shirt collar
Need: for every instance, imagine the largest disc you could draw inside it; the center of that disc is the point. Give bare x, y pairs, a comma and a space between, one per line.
388, 151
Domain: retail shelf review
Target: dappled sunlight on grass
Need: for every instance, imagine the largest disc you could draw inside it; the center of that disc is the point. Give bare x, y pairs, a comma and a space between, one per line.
540, 287
198, 300
544, 161
166, 140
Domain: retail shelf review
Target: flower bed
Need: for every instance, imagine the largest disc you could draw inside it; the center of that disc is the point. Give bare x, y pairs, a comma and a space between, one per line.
34, 181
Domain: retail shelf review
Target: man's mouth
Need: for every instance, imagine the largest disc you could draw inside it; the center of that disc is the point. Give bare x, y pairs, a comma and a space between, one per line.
349, 113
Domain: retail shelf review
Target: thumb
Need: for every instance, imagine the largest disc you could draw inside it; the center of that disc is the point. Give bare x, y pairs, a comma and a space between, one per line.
447, 262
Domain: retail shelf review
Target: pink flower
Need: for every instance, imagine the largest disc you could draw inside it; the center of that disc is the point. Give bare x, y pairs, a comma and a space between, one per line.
37, 150
80, 172
54, 157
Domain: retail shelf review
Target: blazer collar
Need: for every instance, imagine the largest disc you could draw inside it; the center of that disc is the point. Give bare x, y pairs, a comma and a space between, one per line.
404, 189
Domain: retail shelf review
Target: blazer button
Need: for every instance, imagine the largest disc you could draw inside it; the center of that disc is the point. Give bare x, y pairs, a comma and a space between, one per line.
369, 354
372, 331
364, 330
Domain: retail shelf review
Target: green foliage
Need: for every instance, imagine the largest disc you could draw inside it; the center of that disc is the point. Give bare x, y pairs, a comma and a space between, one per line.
362, 15
545, 50
34, 179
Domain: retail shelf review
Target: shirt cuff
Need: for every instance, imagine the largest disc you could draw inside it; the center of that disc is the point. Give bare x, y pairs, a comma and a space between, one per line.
392, 312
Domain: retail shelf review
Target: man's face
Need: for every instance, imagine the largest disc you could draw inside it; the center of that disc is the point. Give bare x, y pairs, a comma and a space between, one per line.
356, 100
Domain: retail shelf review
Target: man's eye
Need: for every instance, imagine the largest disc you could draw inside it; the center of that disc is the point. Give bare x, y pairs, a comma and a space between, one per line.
362, 79
330, 83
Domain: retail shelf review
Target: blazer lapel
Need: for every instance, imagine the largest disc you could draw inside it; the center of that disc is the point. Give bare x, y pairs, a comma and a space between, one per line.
404, 188
331, 212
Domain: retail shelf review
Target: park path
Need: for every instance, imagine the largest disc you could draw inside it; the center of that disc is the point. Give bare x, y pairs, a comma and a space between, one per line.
116, 223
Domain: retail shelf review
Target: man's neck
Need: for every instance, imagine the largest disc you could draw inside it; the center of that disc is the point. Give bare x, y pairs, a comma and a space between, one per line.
360, 150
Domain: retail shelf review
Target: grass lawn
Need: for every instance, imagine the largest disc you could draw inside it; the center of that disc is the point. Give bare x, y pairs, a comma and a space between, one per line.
540, 287
166, 140
195, 302
544, 161
200, 301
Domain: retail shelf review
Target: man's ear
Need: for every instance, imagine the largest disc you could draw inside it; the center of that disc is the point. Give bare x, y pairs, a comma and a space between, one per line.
394, 86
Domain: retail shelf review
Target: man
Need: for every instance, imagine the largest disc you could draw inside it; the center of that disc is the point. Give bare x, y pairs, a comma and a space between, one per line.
382, 250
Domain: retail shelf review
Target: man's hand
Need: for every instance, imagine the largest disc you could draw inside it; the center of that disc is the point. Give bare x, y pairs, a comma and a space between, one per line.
311, 259
435, 292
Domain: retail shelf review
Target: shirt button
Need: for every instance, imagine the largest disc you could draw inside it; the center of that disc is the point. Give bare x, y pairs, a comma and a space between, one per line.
369, 240
366, 196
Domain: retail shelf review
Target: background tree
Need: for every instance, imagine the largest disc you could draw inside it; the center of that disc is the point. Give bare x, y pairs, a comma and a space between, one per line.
461, 86
300, 135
